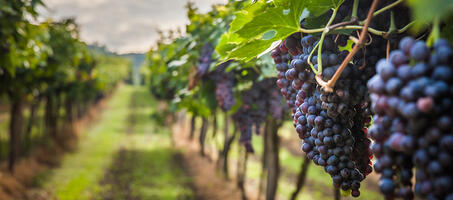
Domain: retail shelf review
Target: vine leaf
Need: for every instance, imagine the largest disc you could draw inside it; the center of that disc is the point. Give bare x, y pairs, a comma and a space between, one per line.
246, 15
258, 26
249, 50
274, 18
254, 30
427, 10
228, 42
318, 7
317, 21
241, 18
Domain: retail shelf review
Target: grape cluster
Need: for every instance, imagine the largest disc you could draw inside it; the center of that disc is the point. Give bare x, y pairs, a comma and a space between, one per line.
205, 60
224, 87
261, 100
223, 80
361, 150
281, 58
224, 94
331, 125
412, 97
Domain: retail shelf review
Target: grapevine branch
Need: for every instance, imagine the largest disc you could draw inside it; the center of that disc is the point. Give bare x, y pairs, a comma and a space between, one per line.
345, 26
374, 31
354, 39
328, 86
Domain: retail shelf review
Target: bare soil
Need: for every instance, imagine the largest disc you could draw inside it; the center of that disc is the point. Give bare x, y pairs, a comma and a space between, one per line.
207, 182
118, 180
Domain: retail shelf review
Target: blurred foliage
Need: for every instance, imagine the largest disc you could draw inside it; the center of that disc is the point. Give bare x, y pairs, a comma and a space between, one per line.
172, 63
48, 58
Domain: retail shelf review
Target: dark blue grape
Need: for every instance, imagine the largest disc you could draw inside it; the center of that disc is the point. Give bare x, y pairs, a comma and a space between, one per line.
393, 86
446, 143
404, 72
376, 85
387, 186
443, 73
434, 167
444, 55
398, 58
406, 44
441, 43
419, 51
387, 71
419, 70
421, 157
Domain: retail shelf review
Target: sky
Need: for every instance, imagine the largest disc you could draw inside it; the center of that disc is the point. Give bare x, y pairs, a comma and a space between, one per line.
124, 26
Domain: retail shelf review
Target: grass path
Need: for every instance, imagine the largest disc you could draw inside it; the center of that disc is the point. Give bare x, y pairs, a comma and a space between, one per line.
123, 156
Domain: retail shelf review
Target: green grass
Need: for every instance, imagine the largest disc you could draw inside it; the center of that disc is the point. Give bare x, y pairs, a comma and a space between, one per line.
149, 157
80, 172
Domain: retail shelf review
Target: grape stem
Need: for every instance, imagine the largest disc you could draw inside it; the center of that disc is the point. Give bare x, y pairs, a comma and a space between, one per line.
309, 59
355, 7
404, 29
328, 86
342, 26
392, 28
377, 32
354, 39
323, 35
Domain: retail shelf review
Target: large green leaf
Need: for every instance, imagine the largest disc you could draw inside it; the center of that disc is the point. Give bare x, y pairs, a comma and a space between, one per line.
251, 32
316, 21
250, 50
241, 18
247, 38
318, 7
228, 42
274, 19
427, 10
246, 15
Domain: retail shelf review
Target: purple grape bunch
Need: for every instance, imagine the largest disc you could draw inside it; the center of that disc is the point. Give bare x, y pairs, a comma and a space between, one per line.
261, 100
326, 121
412, 98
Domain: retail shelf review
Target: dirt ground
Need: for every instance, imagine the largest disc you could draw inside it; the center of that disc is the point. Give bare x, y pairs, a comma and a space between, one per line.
207, 182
